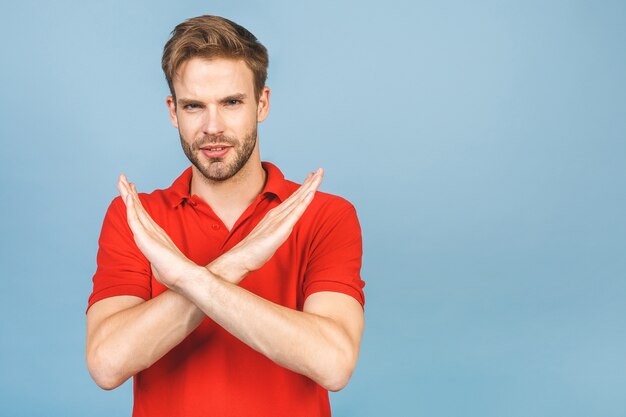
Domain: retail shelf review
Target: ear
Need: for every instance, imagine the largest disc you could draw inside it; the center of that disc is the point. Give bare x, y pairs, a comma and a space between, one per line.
171, 105
263, 107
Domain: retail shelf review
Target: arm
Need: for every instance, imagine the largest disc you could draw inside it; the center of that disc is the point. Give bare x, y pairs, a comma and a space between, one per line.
321, 342
126, 334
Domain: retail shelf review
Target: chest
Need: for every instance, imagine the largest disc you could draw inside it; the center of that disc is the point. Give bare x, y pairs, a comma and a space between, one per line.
203, 237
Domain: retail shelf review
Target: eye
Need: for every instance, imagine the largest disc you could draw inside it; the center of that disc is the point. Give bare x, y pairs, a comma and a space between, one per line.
192, 106
233, 102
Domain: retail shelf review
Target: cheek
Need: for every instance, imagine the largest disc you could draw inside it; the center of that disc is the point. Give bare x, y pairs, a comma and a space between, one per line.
246, 121
188, 126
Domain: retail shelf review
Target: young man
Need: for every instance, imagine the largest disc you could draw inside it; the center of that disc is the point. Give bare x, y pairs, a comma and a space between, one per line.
233, 292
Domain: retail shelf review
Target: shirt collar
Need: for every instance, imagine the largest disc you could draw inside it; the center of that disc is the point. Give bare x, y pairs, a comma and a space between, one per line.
275, 183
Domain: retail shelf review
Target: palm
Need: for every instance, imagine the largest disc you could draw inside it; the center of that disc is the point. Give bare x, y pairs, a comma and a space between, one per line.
271, 232
168, 263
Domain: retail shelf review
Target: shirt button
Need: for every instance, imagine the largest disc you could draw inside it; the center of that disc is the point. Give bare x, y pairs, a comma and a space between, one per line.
215, 226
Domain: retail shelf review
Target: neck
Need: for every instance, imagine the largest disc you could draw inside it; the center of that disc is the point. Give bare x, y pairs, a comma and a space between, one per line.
231, 197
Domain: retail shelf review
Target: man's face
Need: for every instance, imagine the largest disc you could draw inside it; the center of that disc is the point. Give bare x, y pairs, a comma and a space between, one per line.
216, 115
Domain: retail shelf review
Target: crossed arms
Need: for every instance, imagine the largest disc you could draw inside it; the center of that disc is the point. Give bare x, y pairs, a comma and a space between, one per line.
126, 334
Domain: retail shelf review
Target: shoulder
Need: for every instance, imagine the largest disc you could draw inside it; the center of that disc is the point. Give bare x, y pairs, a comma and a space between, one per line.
160, 201
157, 203
327, 215
323, 204
157, 200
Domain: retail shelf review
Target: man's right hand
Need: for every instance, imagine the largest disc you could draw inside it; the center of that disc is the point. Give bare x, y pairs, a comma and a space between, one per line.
260, 245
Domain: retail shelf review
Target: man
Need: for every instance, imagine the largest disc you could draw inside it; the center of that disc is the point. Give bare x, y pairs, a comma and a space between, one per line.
234, 292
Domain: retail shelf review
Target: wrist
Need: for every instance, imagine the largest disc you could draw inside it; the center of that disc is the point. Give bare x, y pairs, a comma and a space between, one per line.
228, 268
191, 277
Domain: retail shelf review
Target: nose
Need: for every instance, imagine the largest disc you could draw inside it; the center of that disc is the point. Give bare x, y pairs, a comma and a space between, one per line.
213, 123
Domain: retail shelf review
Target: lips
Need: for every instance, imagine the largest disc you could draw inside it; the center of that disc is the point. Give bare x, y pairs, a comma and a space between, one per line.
215, 151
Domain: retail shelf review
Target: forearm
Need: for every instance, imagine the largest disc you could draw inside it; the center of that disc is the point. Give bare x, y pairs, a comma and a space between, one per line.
306, 343
131, 340
323, 346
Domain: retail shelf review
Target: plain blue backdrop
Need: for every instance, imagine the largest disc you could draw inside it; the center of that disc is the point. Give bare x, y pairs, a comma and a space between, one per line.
483, 144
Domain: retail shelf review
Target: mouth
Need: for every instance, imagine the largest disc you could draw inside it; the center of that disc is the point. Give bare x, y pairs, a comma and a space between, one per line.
215, 151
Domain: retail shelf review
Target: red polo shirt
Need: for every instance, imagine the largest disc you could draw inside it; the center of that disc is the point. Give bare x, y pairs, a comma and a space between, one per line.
211, 373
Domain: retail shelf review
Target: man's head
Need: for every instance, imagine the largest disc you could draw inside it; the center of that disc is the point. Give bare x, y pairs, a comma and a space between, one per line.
212, 37
216, 72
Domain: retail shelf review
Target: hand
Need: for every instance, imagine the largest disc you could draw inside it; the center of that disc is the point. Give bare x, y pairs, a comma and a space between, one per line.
169, 265
260, 245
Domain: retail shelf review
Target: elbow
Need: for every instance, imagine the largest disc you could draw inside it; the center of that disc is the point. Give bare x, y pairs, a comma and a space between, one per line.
104, 373
337, 380
336, 384
337, 376
106, 384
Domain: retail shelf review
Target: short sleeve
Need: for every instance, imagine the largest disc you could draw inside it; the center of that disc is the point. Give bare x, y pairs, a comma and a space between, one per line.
121, 267
335, 258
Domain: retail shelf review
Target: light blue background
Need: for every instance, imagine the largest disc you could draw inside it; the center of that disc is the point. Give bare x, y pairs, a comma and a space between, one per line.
483, 144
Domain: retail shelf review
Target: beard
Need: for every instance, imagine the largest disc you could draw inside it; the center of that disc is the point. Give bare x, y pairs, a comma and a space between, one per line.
217, 169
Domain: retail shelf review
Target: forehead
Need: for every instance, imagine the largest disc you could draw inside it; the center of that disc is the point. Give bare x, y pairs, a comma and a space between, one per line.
213, 78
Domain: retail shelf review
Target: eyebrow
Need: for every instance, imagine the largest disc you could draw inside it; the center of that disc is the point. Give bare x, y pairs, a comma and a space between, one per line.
185, 101
239, 96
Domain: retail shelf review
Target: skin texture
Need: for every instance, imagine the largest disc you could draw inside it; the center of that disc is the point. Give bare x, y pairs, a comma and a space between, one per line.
126, 334
227, 119
203, 108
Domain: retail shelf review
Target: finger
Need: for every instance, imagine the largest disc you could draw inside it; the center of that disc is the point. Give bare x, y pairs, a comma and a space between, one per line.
309, 186
134, 223
312, 181
316, 181
305, 199
140, 222
145, 218
131, 208
130, 191
288, 219
294, 215
121, 187
131, 203
127, 189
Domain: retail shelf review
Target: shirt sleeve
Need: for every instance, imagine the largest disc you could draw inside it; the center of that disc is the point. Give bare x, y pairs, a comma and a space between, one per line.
335, 258
121, 267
